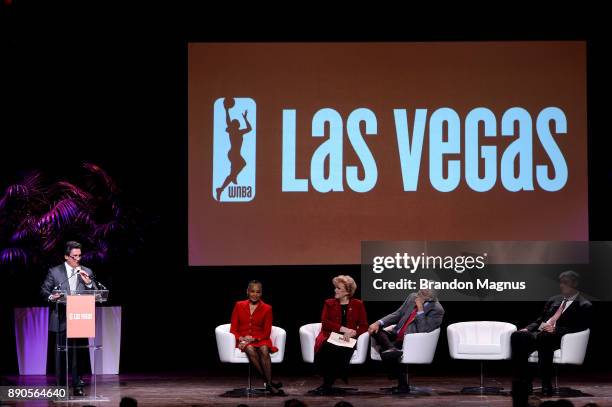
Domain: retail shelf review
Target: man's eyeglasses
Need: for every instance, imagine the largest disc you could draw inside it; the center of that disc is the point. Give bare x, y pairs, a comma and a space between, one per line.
75, 256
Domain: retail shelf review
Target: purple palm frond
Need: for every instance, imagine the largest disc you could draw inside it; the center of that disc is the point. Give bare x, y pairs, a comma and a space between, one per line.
52, 242
62, 214
98, 254
32, 181
27, 228
29, 186
37, 216
117, 209
85, 218
105, 229
13, 192
71, 190
12, 255
16, 191
103, 175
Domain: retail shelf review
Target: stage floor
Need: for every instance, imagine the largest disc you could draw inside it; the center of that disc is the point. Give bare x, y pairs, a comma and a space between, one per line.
205, 390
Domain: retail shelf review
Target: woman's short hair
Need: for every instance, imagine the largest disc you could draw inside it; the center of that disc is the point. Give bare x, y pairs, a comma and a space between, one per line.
254, 282
349, 284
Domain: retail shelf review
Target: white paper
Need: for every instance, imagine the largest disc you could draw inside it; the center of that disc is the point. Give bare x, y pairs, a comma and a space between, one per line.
337, 339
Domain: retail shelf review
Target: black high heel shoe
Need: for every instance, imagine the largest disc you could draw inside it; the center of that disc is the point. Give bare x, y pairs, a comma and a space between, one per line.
276, 385
274, 391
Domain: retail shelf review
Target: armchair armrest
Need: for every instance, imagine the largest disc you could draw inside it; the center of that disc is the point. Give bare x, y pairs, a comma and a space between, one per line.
226, 342
574, 346
279, 339
420, 348
361, 349
453, 338
504, 339
308, 335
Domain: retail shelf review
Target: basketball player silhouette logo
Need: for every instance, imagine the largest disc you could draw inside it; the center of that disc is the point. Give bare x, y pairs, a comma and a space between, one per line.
234, 150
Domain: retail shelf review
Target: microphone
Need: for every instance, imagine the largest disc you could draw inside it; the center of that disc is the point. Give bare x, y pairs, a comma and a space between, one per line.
91, 276
78, 269
94, 279
75, 271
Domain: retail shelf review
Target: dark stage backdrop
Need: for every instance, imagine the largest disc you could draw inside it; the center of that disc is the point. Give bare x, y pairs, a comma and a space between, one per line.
83, 92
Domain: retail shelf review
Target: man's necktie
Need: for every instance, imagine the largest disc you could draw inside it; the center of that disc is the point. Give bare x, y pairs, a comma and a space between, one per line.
402, 332
553, 320
73, 281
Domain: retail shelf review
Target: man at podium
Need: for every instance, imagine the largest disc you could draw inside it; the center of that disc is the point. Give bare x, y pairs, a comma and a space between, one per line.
70, 277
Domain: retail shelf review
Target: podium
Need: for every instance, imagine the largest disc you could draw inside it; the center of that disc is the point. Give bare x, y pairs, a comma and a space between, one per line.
80, 316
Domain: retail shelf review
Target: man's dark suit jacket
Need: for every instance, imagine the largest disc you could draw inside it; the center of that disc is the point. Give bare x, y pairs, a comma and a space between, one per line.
575, 318
57, 276
429, 321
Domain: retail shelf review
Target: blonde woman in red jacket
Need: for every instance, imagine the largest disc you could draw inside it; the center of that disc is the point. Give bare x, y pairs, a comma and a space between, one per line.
343, 314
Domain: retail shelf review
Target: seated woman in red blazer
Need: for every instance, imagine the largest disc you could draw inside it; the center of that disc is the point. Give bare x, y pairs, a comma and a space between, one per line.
343, 314
252, 325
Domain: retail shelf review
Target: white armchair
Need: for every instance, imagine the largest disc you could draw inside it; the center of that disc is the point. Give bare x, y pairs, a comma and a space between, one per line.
572, 352
418, 348
309, 333
480, 340
229, 353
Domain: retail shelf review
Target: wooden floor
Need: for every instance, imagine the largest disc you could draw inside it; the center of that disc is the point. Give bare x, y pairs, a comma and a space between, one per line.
206, 390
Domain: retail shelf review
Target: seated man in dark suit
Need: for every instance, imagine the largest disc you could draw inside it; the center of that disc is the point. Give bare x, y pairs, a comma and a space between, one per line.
562, 314
421, 312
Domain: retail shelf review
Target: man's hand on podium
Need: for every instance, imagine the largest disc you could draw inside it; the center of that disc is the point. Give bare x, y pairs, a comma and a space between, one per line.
53, 297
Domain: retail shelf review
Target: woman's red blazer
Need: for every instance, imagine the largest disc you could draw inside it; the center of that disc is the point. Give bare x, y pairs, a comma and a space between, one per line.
258, 325
331, 317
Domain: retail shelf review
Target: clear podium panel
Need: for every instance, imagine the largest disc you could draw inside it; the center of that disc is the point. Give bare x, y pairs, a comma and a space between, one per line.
101, 295
67, 347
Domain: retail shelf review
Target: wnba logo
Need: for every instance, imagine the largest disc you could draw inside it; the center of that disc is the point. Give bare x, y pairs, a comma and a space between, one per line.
234, 150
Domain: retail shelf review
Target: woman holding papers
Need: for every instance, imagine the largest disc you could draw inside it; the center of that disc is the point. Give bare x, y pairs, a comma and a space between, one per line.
343, 315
